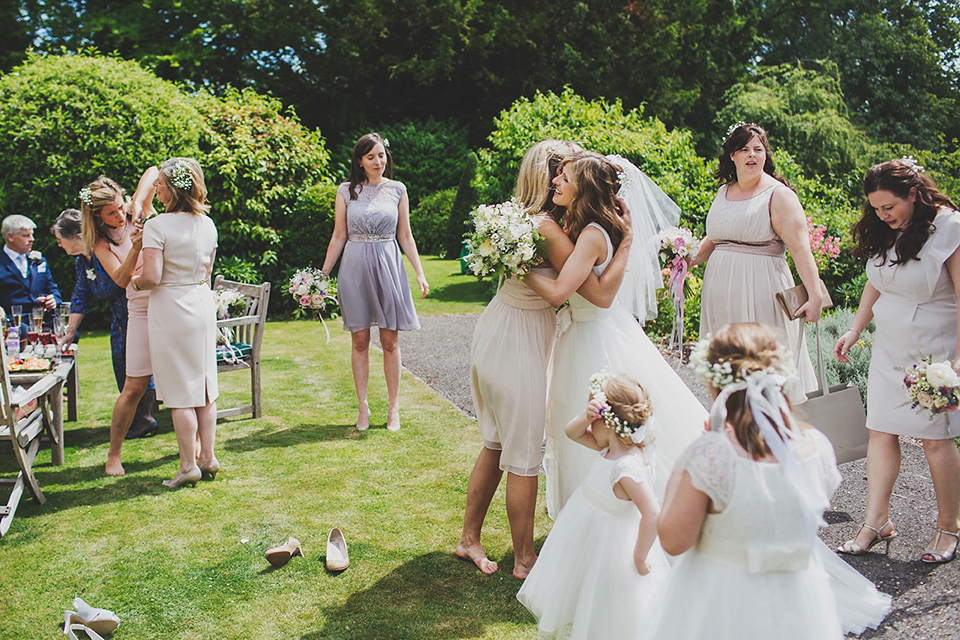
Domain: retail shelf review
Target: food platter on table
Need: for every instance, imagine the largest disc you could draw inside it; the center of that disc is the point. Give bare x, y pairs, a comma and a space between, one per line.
29, 365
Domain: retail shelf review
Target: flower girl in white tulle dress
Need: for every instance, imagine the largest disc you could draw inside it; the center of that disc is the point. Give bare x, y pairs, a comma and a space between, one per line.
744, 503
601, 564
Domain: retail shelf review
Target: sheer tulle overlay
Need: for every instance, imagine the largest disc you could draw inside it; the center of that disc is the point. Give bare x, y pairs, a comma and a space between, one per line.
592, 339
585, 584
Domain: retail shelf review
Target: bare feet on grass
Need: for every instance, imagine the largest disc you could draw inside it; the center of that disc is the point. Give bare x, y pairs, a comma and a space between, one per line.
521, 570
363, 417
393, 419
114, 468
475, 554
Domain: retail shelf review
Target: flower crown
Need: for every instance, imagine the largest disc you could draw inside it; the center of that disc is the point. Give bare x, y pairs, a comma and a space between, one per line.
734, 127
911, 162
181, 176
86, 196
721, 374
636, 433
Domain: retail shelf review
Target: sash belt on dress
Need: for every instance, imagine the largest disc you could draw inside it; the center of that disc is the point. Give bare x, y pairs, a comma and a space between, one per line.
369, 237
772, 248
766, 559
181, 284
602, 503
569, 315
519, 296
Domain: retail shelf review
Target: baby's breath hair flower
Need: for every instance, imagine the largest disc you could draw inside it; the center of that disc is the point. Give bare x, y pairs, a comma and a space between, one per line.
734, 127
181, 176
637, 433
911, 162
721, 374
386, 143
86, 196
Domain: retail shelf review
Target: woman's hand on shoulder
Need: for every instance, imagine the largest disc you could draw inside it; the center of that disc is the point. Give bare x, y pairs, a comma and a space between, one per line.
625, 221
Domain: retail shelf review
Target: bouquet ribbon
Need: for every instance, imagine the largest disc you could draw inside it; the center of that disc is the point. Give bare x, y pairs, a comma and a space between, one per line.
678, 275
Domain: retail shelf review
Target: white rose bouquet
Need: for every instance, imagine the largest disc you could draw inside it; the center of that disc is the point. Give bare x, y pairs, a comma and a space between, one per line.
504, 241
933, 387
314, 293
227, 301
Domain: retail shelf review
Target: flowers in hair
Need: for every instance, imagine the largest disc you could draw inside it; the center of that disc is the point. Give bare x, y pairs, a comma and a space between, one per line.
86, 196
911, 162
182, 179
734, 127
636, 433
721, 374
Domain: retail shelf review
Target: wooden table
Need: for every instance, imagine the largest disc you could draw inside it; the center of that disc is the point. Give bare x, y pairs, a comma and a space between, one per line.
66, 372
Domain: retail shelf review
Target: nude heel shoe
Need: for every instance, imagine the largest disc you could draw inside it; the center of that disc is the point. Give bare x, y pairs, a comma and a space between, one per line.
850, 547
210, 470
279, 556
190, 477
939, 557
100, 621
337, 557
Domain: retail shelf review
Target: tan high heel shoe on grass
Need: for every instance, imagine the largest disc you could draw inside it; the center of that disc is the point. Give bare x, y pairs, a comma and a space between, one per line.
190, 477
279, 556
850, 547
337, 557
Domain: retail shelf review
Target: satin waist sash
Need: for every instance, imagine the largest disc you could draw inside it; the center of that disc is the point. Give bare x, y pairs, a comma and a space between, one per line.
369, 237
789, 557
772, 248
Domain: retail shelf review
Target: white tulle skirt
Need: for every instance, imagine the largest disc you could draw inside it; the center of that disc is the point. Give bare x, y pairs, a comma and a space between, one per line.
592, 339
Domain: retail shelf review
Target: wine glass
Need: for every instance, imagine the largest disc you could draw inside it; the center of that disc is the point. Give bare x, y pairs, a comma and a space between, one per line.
36, 326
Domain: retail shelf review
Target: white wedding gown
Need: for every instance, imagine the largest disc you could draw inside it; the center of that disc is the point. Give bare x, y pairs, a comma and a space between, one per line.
592, 339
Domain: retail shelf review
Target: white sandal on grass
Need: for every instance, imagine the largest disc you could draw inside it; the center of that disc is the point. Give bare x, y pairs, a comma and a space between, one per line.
101, 622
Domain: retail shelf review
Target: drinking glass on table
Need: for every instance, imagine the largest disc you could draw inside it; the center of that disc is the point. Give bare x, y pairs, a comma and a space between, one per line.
16, 311
36, 326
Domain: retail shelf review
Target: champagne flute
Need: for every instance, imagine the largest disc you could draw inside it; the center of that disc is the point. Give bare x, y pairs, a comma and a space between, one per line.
36, 326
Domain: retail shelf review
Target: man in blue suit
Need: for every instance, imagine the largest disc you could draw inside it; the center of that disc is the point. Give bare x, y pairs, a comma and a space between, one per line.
25, 277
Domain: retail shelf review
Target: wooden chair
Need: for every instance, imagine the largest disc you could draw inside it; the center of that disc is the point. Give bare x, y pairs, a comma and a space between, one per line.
24, 417
247, 329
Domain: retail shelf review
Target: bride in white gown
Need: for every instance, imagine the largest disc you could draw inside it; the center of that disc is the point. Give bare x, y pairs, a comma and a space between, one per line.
592, 338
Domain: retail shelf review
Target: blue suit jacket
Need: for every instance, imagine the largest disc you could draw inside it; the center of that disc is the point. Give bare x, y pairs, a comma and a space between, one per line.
15, 289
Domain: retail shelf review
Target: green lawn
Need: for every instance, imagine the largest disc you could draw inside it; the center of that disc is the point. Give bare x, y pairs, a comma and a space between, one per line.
189, 563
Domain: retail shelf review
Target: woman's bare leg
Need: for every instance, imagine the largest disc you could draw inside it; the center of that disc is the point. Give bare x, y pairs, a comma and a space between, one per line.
484, 480
390, 343
360, 364
123, 410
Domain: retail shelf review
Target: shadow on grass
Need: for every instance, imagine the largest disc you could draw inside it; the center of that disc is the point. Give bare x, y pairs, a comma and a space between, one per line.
289, 437
462, 292
433, 596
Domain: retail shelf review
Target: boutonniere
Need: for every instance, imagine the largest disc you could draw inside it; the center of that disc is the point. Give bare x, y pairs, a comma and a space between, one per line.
35, 256
91, 274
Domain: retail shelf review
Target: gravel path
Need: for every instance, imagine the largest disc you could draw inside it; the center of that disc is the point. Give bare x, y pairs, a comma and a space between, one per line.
926, 597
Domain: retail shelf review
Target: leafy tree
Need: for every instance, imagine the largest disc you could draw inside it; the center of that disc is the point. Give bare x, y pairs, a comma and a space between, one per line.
64, 120
803, 111
258, 158
466, 200
897, 60
668, 157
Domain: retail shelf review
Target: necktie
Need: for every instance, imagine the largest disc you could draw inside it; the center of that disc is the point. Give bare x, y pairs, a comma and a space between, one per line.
22, 265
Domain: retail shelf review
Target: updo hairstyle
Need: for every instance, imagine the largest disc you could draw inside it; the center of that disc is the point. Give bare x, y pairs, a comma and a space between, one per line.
629, 402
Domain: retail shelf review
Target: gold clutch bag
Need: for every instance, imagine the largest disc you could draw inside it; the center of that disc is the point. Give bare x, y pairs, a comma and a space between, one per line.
795, 297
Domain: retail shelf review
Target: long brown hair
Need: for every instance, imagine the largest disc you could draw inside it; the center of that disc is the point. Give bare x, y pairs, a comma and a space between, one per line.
874, 237
357, 175
737, 139
596, 182
747, 347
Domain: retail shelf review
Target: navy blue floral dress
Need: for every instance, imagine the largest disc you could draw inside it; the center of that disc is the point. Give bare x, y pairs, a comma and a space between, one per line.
94, 282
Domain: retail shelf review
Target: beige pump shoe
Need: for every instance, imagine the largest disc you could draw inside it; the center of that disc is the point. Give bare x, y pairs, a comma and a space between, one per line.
337, 558
279, 556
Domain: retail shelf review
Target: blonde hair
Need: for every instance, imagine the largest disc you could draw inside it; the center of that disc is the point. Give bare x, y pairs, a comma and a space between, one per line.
537, 170
190, 200
747, 347
100, 193
597, 183
630, 402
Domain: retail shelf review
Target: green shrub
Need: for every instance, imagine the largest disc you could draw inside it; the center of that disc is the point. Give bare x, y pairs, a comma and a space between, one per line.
430, 221
832, 326
64, 120
258, 160
459, 222
427, 156
668, 157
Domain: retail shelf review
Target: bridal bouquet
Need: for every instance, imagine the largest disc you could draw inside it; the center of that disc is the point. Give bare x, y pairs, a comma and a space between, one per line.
504, 240
933, 387
315, 293
674, 246
227, 301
